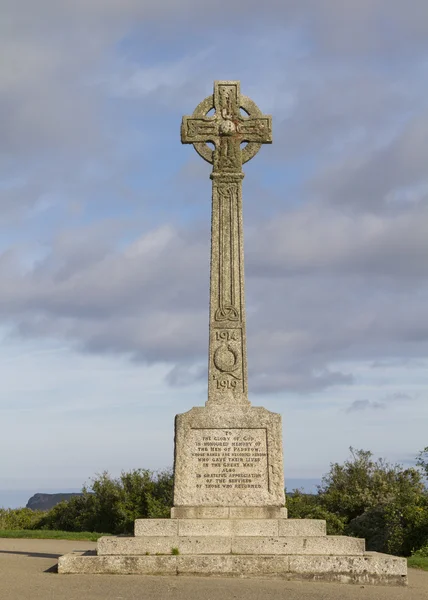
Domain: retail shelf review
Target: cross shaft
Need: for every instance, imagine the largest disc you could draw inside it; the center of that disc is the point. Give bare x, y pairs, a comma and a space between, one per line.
227, 129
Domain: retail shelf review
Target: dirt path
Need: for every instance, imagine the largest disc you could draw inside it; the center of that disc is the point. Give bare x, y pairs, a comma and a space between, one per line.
27, 571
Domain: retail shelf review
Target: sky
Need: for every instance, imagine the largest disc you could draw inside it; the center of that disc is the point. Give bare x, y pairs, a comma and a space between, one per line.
105, 229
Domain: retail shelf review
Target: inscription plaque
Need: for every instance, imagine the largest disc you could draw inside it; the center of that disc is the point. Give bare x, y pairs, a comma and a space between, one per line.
230, 459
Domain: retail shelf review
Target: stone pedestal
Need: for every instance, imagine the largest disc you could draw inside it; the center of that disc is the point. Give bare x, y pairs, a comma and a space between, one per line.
229, 517
239, 547
228, 457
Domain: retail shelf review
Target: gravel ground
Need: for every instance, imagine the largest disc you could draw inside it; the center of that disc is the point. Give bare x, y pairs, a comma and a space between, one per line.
28, 571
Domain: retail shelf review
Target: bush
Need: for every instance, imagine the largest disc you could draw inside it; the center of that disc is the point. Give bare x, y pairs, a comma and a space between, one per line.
72, 515
20, 518
371, 526
393, 528
362, 483
422, 461
422, 552
385, 504
111, 505
308, 506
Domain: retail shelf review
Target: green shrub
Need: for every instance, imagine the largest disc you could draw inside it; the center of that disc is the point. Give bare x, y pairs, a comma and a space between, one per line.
72, 515
422, 461
396, 527
20, 518
408, 526
308, 506
112, 505
371, 525
386, 504
361, 484
422, 552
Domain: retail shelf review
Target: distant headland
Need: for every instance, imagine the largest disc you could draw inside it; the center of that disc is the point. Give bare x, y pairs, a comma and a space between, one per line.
47, 501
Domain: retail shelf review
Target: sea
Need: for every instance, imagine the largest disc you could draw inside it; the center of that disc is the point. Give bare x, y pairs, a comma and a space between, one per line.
19, 498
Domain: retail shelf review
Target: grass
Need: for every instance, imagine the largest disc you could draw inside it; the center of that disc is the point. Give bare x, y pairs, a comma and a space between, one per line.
418, 562
46, 534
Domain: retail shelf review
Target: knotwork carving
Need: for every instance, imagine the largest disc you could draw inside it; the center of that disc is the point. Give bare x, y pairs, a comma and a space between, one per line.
226, 313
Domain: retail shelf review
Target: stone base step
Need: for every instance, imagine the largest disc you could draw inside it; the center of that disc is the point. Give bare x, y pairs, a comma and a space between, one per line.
370, 568
259, 545
230, 527
228, 512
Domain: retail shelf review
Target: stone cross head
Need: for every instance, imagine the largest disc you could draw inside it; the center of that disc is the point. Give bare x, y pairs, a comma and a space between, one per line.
227, 128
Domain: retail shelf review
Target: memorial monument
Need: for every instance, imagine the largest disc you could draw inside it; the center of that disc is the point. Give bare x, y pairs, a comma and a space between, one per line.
229, 516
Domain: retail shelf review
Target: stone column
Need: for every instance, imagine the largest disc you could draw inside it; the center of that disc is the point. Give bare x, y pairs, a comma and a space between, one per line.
228, 454
227, 366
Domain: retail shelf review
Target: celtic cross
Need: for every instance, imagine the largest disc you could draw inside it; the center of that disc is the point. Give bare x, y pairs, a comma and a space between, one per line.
227, 129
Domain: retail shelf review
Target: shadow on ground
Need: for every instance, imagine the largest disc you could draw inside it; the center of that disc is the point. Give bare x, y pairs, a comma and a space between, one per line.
31, 554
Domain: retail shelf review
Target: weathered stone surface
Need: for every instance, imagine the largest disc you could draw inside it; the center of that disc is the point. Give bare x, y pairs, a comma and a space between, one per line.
225, 543
350, 578
200, 512
156, 527
80, 562
200, 527
164, 545
298, 545
226, 512
301, 527
373, 568
233, 566
257, 512
228, 457
230, 527
254, 527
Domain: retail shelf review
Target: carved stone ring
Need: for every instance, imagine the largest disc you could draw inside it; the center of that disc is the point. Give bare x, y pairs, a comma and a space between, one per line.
228, 121
202, 110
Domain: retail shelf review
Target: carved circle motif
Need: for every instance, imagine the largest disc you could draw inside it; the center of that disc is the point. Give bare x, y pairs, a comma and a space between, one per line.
226, 359
204, 107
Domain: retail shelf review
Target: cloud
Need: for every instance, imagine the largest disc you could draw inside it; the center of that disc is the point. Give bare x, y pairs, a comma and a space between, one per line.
110, 246
317, 239
396, 398
104, 252
360, 405
376, 179
163, 79
148, 299
141, 301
